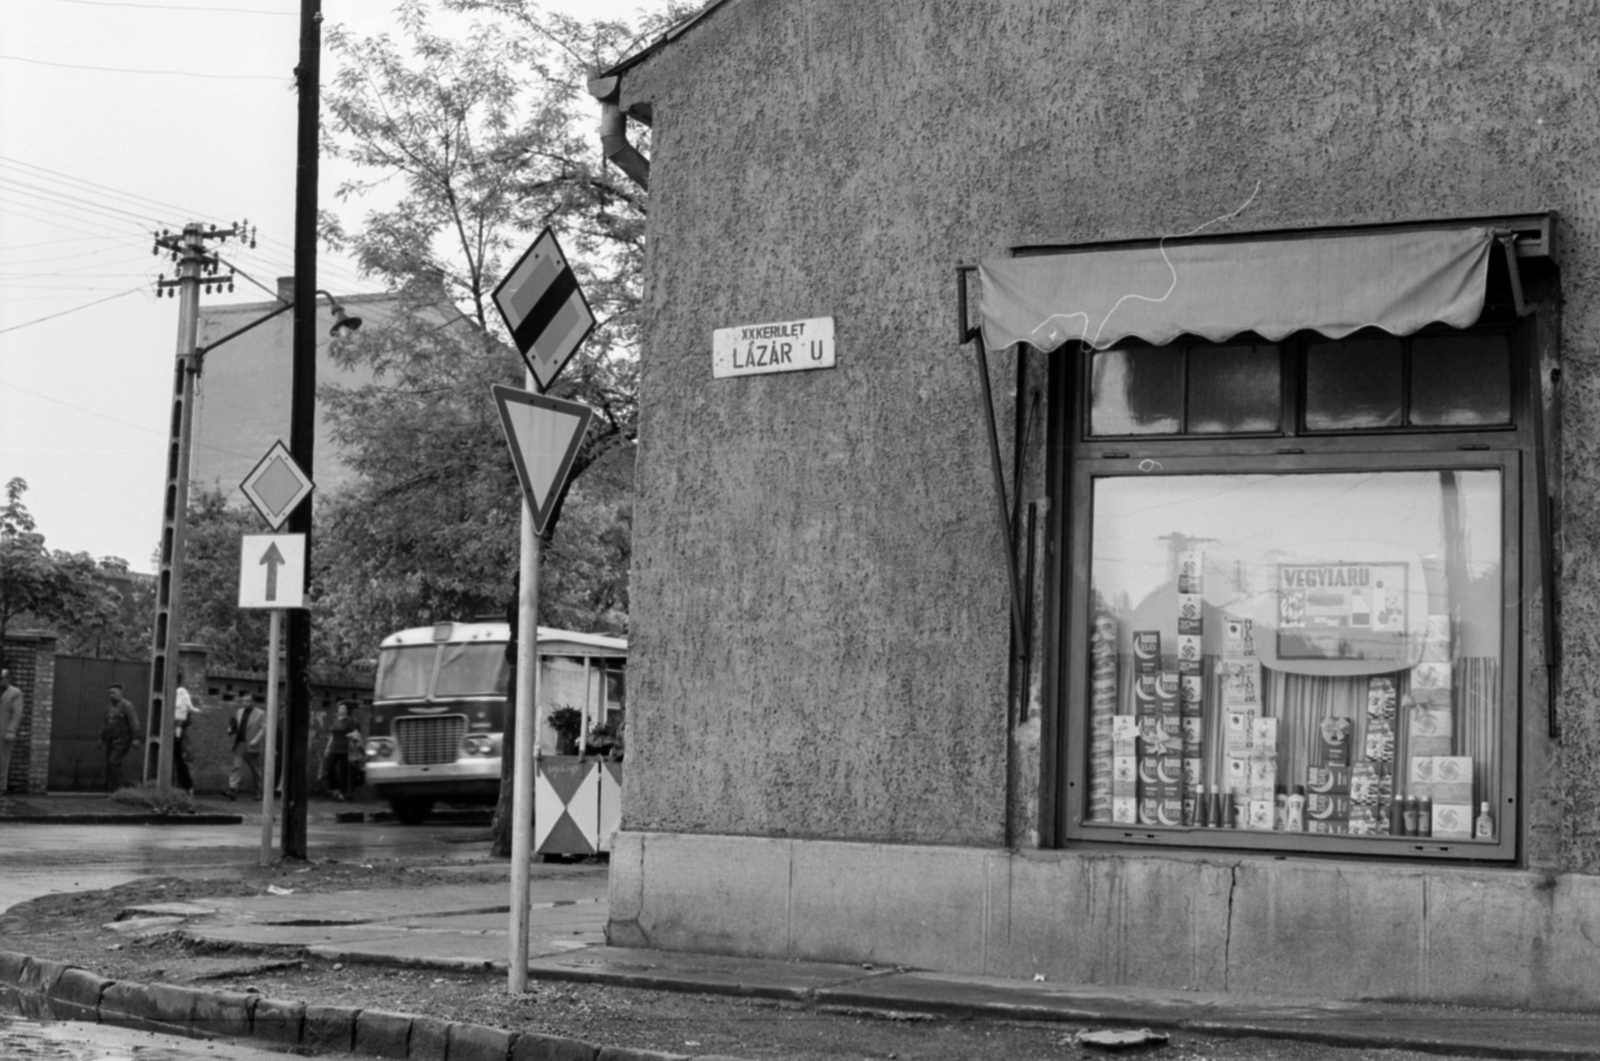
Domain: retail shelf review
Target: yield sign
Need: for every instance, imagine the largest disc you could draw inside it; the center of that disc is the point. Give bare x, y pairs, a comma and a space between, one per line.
544, 434
276, 485
272, 571
544, 307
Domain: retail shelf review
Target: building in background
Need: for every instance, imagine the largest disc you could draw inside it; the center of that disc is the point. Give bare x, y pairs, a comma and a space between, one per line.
243, 396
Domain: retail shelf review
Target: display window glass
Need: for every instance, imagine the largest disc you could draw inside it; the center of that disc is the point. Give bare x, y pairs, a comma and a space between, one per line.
1307, 646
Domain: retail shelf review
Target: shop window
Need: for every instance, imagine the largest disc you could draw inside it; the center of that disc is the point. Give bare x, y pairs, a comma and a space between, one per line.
1295, 635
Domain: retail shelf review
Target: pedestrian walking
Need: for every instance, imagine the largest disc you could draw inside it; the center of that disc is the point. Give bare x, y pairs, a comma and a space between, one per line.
183, 714
10, 726
118, 735
336, 757
247, 727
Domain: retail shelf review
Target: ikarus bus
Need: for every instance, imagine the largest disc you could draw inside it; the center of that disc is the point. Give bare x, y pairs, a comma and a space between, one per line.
439, 707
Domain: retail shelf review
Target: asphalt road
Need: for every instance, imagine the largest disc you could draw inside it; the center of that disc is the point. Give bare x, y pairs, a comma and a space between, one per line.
47, 858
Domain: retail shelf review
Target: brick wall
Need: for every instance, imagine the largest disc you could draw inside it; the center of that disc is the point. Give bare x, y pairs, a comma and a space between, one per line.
31, 659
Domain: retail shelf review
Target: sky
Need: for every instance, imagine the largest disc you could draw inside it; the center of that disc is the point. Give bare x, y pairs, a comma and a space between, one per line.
118, 118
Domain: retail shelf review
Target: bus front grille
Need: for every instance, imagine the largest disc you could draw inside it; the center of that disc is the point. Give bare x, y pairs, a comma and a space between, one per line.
430, 741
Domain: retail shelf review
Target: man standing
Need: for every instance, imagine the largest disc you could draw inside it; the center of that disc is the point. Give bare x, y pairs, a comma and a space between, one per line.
10, 723
246, 727
118, 735
183, 712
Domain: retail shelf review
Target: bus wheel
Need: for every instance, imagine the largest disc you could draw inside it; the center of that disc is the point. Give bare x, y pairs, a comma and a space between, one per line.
412, 811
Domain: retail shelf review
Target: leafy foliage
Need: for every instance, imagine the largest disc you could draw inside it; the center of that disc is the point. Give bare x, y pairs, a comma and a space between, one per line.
482, 136
62, 589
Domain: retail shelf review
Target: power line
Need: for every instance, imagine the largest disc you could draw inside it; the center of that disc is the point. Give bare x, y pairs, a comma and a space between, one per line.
130, 70
63, 313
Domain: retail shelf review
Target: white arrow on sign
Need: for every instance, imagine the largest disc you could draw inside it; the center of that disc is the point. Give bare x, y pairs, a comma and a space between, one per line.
272, 571
544, 435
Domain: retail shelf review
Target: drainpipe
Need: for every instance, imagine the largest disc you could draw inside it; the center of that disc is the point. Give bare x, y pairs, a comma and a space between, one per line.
614, 131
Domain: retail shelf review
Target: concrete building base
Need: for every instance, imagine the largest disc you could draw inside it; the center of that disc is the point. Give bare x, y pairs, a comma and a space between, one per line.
1204, 922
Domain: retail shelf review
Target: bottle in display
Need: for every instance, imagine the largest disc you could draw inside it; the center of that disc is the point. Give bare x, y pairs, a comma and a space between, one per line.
1294, 811
1485, 824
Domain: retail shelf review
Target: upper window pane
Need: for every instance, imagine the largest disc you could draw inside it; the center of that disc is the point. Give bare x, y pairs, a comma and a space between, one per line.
1460, 381
1136, 392
1234, 389
478, 668
404, 672
1353, 384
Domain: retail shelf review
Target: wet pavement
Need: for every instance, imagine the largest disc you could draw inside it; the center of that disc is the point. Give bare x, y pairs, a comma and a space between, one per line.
65, 1040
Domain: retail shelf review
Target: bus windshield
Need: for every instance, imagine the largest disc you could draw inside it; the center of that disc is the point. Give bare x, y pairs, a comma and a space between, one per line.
475, 669
403, 672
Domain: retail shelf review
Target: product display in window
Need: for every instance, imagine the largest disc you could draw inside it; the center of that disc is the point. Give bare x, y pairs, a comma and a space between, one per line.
1314, 653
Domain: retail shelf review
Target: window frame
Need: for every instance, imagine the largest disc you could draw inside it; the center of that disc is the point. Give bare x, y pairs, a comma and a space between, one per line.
1076, 459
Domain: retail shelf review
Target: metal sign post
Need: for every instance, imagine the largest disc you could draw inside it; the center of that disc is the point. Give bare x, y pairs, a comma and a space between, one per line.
544, 435
271, 755
271, 576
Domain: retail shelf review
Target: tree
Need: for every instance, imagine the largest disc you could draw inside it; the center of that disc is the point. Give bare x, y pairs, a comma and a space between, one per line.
58, 588
483, 136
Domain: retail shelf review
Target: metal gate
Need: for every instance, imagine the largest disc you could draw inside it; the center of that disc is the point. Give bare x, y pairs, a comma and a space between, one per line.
76, 762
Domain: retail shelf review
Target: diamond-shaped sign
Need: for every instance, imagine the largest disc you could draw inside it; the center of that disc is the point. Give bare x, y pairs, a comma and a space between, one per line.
544, 434
544, 307
276, 485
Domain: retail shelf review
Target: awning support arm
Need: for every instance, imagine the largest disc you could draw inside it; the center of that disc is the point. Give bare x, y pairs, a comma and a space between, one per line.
1542, 520
1002, 509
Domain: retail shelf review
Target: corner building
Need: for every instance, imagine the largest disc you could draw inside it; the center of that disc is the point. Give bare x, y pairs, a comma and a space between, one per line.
1185, 573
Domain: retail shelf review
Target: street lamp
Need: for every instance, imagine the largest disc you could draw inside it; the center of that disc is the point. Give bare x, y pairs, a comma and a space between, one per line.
159, 722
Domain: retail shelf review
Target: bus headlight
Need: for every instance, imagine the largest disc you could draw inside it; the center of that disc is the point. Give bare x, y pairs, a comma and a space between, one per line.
380, 748
480, 745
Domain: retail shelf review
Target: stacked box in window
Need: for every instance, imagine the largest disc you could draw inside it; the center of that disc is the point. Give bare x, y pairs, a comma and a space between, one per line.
1125, 769
1160, 771
1446, 780
1102, 707
1372, 779
1431, 723
1262, 774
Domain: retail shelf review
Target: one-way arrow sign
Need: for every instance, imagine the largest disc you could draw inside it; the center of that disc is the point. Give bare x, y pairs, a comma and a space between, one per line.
272, 571
544, 434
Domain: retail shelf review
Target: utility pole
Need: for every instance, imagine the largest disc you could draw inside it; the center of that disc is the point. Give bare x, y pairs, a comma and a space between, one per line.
196, 268
302, 417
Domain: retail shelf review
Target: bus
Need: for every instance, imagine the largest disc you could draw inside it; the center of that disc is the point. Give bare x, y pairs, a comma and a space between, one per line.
439, 708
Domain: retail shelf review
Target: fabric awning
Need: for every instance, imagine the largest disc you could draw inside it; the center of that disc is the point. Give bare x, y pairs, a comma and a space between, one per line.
1397, 280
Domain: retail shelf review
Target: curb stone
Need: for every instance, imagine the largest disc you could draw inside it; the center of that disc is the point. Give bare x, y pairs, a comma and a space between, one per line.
479, 1042
329, 1028
48, 990
380, 1033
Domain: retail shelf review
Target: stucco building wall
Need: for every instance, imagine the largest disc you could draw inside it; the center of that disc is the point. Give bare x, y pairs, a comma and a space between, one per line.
820, 619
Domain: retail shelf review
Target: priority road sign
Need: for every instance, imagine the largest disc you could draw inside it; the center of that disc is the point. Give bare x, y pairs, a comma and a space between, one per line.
544, 307
272, 571
276, 485
544, 435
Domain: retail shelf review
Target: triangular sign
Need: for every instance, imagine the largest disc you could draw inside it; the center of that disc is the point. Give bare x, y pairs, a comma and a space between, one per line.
544, 435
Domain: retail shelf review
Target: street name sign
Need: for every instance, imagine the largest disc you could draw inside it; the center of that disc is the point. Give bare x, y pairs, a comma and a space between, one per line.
276, 485
785, 346
544, 434
544, 308
272, 571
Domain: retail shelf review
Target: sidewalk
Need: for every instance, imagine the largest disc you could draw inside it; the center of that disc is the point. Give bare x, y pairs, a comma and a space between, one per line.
466, 926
